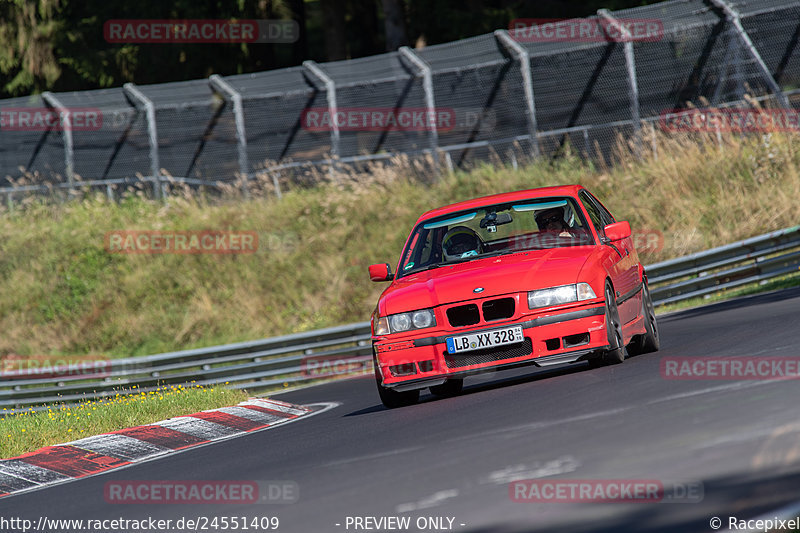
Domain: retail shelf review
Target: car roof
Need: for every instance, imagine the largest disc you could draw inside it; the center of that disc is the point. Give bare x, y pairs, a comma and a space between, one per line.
526, 194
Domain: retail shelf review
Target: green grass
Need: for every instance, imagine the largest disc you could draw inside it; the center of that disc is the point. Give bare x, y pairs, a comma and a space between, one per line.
63, 293
23, 431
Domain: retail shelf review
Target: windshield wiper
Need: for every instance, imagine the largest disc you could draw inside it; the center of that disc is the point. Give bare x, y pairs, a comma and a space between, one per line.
501, 252
423, 269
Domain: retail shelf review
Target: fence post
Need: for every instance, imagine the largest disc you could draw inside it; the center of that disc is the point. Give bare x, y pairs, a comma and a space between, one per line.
223, 88
735, 19
633, 84
66, 132
527, 85
333, 108
150, 112
653, 141
430, 102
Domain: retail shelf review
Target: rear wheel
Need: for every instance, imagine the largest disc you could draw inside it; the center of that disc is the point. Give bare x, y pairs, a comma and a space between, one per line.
616, 353
650, 341
451, 387
392, 398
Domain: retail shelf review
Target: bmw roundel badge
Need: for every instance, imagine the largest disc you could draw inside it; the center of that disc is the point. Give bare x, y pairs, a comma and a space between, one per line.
477, 289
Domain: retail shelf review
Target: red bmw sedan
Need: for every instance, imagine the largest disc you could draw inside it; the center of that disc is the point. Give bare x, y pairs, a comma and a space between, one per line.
537, 277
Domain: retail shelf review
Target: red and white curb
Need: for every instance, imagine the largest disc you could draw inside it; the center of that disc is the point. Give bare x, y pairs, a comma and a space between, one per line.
100, 453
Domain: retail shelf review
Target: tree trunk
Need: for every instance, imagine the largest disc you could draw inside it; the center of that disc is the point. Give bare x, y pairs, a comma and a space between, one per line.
300, 48
395, 22
333, 12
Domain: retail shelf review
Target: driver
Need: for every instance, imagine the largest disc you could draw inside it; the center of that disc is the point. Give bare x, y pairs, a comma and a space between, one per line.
552, 221
460, 242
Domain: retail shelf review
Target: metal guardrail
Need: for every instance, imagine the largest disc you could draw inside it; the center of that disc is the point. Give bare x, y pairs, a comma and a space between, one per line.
313, 355
726, 267
253, 365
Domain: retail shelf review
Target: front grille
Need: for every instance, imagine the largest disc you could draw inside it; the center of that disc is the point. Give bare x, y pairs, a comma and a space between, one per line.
488, 355
463, 315
498, 309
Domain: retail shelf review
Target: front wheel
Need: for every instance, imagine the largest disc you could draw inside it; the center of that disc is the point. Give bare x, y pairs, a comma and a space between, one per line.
392, 399
617, 352
451, 387
650, 341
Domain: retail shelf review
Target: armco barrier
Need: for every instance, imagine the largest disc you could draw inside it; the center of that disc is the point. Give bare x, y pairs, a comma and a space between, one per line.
269, 362
726, 267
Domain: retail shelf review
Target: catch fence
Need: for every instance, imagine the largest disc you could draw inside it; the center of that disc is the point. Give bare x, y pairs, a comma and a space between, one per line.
511, 95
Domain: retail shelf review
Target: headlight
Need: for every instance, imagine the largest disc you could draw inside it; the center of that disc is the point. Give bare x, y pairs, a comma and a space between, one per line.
424, 318
400, 322
560, 295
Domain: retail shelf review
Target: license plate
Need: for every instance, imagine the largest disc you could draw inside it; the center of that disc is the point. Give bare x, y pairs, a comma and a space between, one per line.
484, 339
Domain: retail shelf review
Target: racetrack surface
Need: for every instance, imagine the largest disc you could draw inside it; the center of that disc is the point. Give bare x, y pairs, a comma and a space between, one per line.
455, 457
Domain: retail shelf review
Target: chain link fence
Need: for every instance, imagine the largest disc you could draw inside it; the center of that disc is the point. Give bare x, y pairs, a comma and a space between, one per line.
511, 95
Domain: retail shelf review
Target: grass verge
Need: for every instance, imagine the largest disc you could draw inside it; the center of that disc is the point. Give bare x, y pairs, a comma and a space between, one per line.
23, 431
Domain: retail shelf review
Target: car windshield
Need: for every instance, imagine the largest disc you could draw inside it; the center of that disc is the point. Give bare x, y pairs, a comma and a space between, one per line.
493, 230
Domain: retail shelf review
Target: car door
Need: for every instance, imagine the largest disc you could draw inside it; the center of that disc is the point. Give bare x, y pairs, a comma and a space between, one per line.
622, 260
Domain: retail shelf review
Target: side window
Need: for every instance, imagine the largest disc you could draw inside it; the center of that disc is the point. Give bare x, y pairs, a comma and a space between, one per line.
594, 212
605, 215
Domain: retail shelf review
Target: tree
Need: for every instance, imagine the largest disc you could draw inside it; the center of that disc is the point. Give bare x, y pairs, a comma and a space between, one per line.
27, 59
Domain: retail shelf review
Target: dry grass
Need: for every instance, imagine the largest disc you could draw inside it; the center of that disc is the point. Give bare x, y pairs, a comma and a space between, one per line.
64, 294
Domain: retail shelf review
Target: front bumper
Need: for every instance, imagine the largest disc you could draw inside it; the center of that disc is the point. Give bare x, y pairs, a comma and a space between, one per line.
550, 338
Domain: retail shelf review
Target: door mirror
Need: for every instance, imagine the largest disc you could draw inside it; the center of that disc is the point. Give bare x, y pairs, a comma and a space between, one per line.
381, 272
618, 231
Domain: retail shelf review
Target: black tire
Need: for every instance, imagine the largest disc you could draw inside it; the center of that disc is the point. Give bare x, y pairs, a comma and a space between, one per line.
451, 387
617, 352
596, 361
650, 341
392, 399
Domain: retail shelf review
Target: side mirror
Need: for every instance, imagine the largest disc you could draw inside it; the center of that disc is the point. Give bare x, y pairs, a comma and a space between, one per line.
381, 272
618, 231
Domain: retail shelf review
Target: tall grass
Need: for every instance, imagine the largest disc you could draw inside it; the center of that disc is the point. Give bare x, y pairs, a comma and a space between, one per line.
62, 293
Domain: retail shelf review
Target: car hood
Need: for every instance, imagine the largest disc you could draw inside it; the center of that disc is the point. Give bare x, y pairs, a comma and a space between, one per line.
505, 274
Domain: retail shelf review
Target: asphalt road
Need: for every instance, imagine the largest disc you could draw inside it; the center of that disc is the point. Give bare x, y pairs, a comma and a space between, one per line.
454, 458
